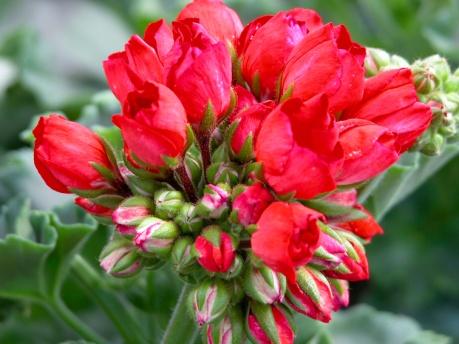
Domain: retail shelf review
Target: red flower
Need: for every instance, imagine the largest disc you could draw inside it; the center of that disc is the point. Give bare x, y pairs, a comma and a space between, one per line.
266, 43
286, 237
215, 250
326, 61
365, 228
199, 62
153, 126
390, 101
218, 19
267, 324
298, 146
65, 153
251, 203
129, 69
369, 149
250, 121
159, 36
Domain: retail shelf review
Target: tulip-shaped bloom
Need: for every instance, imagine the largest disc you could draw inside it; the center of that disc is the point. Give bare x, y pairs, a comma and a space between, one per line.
268, 324
199, 62
218, 19
229, 329
390, 100
368, 148
250, 204
266, 43
155, 236
209, 301
248, 123
69, 156
298, 147
287, 236
311, 295
264, 284
326, 61
215, 250
153, 126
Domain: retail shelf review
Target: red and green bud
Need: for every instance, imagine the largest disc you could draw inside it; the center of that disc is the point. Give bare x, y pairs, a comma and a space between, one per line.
234, 270
311, 295
209, 301
214, 203
215, 250
264, 285
156, 236
330, 252
269, 324
120, 259
188, 220
229, 329
132, 211
340, 292
168, 203
354, 265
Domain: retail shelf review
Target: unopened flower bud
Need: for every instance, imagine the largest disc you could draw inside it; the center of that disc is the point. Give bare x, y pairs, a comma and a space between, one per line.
269, 324
234, 270
229, 329
182, 258
215, 249
354, 265
434, 145
193, 164
168, 203
188, 220
156, 236
100, 212
439, 66
209, 301
214, 203
375, 60
330, 252
120, 259
311, 294
424, 80
340, 292
132, 211
264, 285
223, 172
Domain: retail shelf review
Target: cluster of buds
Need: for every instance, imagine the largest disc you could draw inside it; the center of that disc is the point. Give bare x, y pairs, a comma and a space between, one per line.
437, 86
237, 159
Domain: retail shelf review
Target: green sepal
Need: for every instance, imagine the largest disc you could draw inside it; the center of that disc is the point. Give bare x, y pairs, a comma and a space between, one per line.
334, 210
111, 201
209, 120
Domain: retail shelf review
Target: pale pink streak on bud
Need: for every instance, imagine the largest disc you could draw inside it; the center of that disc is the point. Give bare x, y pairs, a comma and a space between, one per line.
143, 238
203, 316
272, 293
126, 215
216, 200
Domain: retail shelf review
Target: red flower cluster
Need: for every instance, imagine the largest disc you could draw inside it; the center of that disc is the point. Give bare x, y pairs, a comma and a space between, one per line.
289, 94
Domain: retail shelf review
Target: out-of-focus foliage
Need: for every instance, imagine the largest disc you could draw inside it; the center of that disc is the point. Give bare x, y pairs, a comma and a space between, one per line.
50, 60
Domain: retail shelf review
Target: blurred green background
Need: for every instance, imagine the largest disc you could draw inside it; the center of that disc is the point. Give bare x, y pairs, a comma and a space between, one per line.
50, 60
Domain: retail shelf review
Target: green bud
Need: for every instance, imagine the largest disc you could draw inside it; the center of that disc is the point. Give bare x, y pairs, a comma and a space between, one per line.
229, 329
188, 220
182, 258
168, 203
119, 258
434, 146
264, 285
155, 236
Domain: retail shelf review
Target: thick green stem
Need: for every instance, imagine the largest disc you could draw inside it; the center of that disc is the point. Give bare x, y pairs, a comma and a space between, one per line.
67, 316
181, 328
111, 304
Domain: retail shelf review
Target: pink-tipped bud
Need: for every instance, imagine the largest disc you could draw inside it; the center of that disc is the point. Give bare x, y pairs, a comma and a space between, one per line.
214, 203
269, 324
120, 259
250, 204
330, 252
264, 285
209, 301
130, 213
340, 292
156, 236
215, 250
311, 294
229, 329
